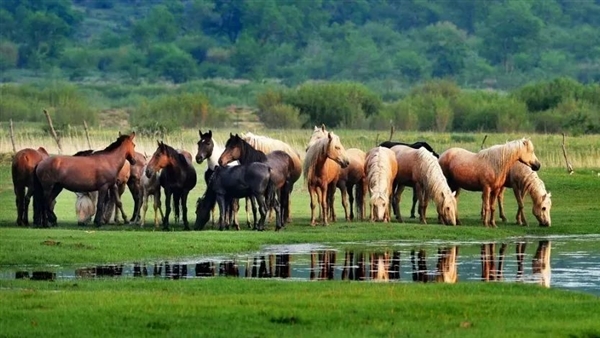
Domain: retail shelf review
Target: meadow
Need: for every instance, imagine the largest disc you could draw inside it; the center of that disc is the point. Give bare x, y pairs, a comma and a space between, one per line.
265, 308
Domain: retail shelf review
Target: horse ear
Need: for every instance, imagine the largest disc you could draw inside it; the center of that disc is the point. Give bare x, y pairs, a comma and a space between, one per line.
454, 194
323, 127
549, 194
200, 132
329, 136
209, 133
230, 134
119, 133
132, 135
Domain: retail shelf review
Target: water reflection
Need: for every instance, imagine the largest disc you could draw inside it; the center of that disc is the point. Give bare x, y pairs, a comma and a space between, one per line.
488, 262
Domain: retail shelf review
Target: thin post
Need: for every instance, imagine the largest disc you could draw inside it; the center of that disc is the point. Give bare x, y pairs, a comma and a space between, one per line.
483, 142
391, 130
87, 134
12, 136
564, 150
52, 131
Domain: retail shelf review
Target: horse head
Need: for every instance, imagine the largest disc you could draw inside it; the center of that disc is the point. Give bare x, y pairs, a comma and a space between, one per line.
541, 209
159, 159
379, 205
527, 155
202, 213
447, 208
336, 151
205, 146
129, 147
233, 150
43, 152
318, 133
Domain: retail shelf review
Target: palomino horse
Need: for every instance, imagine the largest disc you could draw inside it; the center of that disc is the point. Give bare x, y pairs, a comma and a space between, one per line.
245, 180
151, 187
177, 177
267, 145
486, 170
85, 199
321, 169
416, 145
348, 178
381, 168
211, 151
23, 170
523, 180
421, 170
281, 164
98, 171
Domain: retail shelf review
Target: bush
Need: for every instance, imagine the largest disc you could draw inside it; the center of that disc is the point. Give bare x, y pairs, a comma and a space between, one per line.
281, 116
547, 95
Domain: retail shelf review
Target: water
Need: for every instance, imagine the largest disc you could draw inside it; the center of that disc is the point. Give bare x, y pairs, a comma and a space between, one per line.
571, 263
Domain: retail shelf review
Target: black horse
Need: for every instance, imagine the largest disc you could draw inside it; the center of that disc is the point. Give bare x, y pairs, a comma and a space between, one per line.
416, 145
228, 183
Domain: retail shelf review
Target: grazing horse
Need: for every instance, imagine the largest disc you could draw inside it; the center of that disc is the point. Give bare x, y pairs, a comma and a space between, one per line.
281, 164
177, 177
135, 185
210, 151
421, 170
486, 171
23, 170
151, 187
111, 202
416, 145
245, 180
98, 171
350, 177
321, 169
523, 180
381, 168
267, 145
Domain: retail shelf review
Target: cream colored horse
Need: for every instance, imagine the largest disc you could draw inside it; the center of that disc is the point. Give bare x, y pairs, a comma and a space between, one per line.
381, 168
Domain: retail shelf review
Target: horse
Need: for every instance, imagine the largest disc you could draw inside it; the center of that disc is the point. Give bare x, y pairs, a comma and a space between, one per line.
523, 180
321, 168
486, 170
23, 170
98, 171
244, 180
135, 185
177, 178
381, 168
421, 170
280, 163
267, 145
211, 151
151, 187
111, 202
416, 145
348, 178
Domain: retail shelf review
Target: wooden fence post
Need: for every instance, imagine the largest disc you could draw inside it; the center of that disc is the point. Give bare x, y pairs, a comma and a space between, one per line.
564, 150
12, 136
87, 135
53, 132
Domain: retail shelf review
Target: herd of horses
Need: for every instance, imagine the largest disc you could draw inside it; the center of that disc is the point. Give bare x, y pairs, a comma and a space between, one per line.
263, 171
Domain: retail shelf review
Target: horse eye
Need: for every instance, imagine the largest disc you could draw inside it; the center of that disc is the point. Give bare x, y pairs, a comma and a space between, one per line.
337, 148
544, 209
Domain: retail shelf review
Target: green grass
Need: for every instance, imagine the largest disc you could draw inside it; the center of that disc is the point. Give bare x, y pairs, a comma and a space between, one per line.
259, 308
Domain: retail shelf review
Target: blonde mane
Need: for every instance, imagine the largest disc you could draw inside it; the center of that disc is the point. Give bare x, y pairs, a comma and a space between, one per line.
499, 155
434, 182
267, 144
378, 175
529, 182
317, 151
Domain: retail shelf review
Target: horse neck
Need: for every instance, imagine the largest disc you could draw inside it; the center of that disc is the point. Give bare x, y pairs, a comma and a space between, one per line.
114, 156
213, 160
502, 166
251, 155
534, 186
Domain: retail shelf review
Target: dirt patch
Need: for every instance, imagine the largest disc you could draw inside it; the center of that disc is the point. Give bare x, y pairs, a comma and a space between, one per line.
50, 242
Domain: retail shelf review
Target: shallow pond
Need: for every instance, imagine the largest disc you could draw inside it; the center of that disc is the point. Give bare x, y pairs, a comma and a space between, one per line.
563, 262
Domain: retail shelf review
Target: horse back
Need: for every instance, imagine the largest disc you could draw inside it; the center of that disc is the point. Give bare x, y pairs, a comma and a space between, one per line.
23, 164
466, 170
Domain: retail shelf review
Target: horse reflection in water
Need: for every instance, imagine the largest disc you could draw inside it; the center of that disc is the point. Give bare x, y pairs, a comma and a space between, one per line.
540, 265
447, 271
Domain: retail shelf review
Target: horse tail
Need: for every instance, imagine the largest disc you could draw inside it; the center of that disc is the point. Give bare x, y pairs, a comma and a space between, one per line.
38, 199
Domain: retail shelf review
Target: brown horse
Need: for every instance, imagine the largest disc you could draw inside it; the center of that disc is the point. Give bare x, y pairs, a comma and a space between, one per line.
135, 185
381, 168
177, 178
23, 170
486, 171
321, 169
98, 171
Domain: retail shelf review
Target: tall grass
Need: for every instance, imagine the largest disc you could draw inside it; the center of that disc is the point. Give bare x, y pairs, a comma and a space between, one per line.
583, 151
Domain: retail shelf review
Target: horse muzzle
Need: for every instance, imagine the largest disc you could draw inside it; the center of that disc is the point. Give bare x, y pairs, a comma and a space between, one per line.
344, 163
536, 166
149, 172
200, 158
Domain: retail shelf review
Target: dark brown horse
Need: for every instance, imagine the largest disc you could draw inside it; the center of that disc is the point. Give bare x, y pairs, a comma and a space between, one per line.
23, 170
98, 171
280, 162
177, 178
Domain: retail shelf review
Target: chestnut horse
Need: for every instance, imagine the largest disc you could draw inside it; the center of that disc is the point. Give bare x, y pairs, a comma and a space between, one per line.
421, 170
98, 171
281, 164
486, 171
350, 177
177, 178
523, 180
321, 169
23, 170
381, 168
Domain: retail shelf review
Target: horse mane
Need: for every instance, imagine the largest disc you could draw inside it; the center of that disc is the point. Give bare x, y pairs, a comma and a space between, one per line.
87, 152
378, 173
173, 153
267, 144
251, 154
529, 181
113, 145
499, 155
435, 183
313, 154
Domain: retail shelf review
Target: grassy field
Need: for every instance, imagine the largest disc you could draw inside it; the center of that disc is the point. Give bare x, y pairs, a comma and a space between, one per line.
225, 307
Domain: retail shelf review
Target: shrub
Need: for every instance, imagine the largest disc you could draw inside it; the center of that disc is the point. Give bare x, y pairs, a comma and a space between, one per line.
281, 116
547, 95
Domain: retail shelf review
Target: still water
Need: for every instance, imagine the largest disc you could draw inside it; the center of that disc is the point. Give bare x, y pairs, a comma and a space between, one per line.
571, 263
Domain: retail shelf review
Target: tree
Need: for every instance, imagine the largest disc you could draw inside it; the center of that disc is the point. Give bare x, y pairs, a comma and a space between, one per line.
446, 47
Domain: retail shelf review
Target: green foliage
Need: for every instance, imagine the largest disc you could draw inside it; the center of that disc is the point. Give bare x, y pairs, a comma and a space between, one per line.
9, 55
281, 116
547, 95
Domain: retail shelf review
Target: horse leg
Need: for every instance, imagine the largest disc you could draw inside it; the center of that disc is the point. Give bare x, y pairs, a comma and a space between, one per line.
363, 208
184, 210
118, 191
457, 192
519, 195
222, 210
100, 205
134, 189
144, 209
396, 202
423, 200
350, 190
344, 191
287, 215
254, 207
176, 204
262, 209
157, 205
501, 204
248, 213
414, 204
277, 206
168, 194
485, 200
324, 204
492, 203
311, 193
20, 202
26, 201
